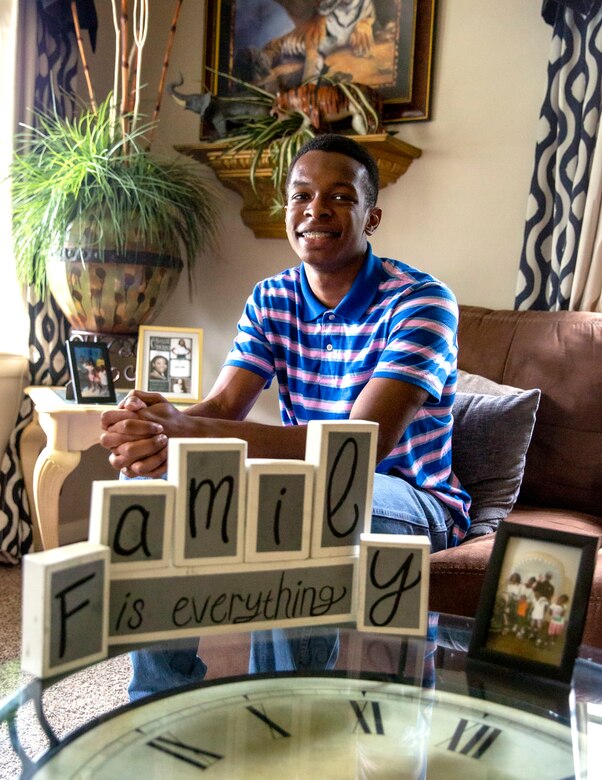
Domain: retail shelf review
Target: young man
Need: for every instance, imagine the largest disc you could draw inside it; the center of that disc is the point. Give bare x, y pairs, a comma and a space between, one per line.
348, 335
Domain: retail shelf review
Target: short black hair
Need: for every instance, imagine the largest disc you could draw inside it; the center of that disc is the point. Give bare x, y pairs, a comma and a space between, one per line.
342, 144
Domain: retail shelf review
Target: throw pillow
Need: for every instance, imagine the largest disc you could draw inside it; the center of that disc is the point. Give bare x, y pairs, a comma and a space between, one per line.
489, 446
473, 383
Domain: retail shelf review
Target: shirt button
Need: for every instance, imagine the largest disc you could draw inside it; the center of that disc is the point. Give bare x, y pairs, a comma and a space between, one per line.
329, 347
331, 317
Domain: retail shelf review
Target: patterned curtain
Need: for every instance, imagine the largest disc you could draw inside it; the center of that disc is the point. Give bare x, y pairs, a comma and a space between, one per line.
56, 68
564, 155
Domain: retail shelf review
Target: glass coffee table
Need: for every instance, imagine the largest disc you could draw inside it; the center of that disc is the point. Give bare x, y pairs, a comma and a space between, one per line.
392, 708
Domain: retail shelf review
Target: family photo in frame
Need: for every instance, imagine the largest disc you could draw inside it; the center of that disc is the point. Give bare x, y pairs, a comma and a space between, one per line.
91, 375
534, 600
276, 45
168, 361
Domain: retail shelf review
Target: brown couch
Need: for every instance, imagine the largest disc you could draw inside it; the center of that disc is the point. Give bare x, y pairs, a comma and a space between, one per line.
560, 353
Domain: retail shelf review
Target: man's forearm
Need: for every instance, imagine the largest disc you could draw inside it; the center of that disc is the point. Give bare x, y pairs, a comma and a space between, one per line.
210, 408
264, 441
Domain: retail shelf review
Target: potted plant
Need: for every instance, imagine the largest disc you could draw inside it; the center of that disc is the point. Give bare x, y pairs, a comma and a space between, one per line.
98, 218
294, 116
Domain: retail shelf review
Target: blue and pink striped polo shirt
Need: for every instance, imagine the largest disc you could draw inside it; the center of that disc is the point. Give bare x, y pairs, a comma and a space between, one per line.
395, 322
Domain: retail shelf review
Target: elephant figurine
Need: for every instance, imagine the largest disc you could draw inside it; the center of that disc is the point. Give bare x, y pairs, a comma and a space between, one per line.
221, 113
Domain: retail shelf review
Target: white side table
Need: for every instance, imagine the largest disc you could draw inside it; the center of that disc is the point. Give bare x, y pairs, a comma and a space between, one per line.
70, 429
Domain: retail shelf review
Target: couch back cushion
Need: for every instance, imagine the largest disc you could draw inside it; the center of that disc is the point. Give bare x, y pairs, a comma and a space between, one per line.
492, 433
561, 354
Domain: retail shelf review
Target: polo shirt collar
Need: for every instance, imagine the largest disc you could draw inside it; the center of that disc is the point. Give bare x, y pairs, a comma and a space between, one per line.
357, 300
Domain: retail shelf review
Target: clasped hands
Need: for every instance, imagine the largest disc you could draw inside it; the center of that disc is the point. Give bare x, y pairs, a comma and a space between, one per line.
137, 432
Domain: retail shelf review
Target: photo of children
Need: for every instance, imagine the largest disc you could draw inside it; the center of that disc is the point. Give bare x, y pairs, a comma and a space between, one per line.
533, 600
90, 372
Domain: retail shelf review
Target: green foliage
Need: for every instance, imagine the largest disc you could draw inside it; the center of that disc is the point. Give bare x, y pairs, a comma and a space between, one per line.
280, 140
90, 170
280, 137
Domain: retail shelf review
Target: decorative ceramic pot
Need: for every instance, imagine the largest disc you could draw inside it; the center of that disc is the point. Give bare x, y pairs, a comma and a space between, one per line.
105, 291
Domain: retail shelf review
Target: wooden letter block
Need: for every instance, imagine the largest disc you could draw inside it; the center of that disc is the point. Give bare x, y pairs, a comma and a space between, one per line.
210, 499
134, 519
345, 456
279, 509
393, 584
65, 608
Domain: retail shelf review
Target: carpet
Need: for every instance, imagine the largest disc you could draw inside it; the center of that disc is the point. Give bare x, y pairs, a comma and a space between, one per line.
86, 694
68, 704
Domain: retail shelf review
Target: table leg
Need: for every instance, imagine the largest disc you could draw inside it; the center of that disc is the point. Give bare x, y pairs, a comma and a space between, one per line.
33, 441
51, 470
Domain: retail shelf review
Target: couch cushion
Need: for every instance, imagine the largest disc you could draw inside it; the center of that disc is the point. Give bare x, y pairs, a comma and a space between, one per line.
490, 440
561, 353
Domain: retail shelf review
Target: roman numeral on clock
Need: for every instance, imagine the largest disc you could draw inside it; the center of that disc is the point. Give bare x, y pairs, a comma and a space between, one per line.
472, 738
362, 710
276, 730
189, 754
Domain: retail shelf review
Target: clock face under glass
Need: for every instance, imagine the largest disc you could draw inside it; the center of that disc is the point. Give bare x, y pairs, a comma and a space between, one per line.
317, 727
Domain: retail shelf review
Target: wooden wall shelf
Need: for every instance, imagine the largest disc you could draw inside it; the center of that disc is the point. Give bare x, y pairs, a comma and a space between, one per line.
392, 155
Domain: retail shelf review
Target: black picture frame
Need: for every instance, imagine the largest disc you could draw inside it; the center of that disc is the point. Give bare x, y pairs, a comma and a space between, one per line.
542, 639
400, 68
91, 374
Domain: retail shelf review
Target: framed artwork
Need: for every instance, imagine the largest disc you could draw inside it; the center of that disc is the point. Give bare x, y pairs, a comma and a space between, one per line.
91, 374
168, 361
279, 44
534, 600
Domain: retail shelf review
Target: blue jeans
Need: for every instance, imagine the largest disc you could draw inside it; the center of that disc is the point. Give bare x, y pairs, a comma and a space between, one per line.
397, 508
162, 670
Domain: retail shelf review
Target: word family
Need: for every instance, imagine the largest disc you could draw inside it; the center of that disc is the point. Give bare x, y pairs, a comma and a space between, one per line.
226, 543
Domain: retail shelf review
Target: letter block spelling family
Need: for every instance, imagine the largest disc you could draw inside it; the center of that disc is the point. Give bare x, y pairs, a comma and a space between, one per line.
393, 584
225, 544
279, 509
210, 500
65, 615
135, 524
344, 454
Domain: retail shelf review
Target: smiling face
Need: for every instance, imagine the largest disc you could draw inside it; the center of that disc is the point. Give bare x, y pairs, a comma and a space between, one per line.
328, 219
159, 363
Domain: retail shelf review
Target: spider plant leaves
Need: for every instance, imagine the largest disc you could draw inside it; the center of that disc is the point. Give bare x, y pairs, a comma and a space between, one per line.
278, 138
90, 167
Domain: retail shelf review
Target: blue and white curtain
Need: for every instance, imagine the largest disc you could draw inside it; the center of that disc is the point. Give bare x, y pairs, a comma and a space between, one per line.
561, 260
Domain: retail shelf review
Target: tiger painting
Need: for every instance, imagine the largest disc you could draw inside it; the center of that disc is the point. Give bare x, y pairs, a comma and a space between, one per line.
331, 25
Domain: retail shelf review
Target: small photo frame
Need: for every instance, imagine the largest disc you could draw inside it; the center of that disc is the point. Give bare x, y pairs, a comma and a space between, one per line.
534, 600
168, 361
90, 368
